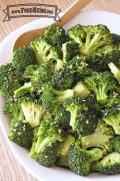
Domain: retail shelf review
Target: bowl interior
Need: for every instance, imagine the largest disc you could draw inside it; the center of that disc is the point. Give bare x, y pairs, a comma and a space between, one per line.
42, 173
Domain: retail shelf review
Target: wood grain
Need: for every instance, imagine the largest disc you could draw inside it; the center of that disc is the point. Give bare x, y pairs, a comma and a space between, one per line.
10, 169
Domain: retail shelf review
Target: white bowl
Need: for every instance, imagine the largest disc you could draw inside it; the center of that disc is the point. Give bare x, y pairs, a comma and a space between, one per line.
55, 173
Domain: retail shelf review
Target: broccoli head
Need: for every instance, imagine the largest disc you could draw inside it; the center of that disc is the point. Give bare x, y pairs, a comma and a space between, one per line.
23, 57
101, 84
46, 142
55, 35
80, 160
115, 39
9, 80
63, 78
100, 138
115, 143
90, 38
45, 53
112, 118
21, 133
83, 116
109, 165
69, 49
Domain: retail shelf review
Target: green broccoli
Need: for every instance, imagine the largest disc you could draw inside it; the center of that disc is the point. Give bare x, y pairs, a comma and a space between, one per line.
46, 142
112, 118
38, 77
45, 53
99, 139
9, 80
115, 70
90, 38
32, 110
50, 96
69, 49
115, 40
80, 160
23, 57
29, 71
110, 164
101, 84
55, 35
63, 78
115, 143
84, 116
100, 60
20, 131
63, 151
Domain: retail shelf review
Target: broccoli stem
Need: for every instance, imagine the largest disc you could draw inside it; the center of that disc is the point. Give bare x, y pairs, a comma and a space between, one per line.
24, 89
115, 70
101, 95
81, 90
62, 95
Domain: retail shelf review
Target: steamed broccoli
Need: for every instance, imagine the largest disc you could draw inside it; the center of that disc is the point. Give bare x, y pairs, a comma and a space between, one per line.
110, 164
90, 38
63, 78
20, 131
115, 70
115, 143
38, 77
80, 160
23, 57
50, 96
46, 142
100, 60
32, 110
101, 84
99, 139
116, 39
112, 118
55, 35
69, 49
9, 80
63, 151
84, 116
45, 53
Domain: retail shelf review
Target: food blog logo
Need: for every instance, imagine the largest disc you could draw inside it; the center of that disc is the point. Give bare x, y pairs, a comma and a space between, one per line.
31, 10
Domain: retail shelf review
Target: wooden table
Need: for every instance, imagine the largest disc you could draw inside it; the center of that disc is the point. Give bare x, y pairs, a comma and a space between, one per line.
10, 169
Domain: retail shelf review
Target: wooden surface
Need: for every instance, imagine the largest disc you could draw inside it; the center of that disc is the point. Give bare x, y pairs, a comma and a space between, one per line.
10, 169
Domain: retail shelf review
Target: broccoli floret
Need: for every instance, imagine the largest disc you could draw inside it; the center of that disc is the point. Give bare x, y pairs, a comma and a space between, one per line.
80, 160
50, 96
33, 111
90, 38
115, 70
112, 118
9, 105
100, 60
46, 142
109, 165
40, 76
63, 78
63, 151
23, 57
61, 117
55, 35
45, 53
101, 84
115, 143
9, 80
20, 131
100, 138
77, 34
29, 71
69, 49
115, 39
84, 116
